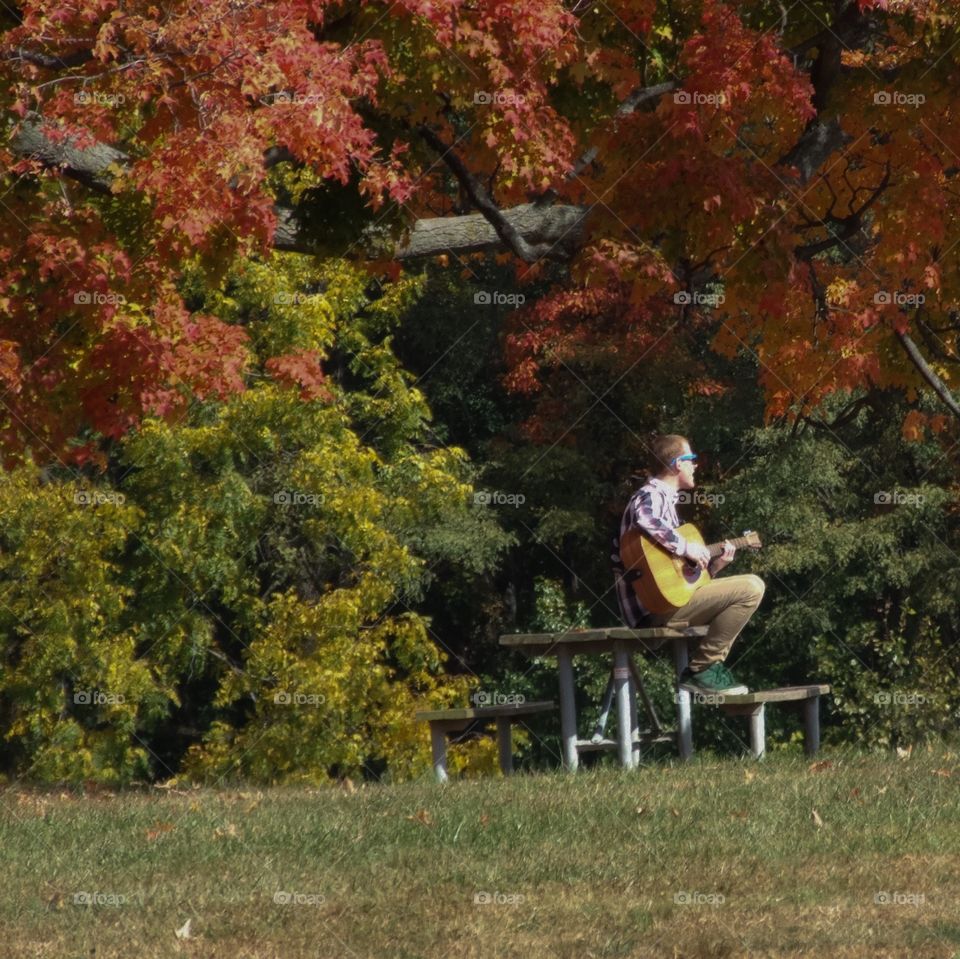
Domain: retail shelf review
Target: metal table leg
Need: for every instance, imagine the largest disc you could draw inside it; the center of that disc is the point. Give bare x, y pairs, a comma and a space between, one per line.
621, 684
568, 710
684, 722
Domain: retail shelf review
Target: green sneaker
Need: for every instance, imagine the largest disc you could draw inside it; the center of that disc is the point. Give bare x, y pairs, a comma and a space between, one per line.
716, 678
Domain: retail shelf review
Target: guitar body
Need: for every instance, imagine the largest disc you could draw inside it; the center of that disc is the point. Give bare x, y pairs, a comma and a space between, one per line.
666, 582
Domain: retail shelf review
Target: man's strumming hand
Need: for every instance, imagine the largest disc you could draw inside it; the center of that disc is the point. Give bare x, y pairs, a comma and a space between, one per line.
699, 554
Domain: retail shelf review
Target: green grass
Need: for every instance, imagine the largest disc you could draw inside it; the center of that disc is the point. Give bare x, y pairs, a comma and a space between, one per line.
592, 865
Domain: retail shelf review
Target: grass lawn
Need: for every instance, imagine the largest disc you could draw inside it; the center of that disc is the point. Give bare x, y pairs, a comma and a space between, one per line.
852, 855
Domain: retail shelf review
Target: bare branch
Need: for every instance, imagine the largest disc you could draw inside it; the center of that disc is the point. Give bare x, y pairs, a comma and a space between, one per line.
511, 237
76, 59
936, 384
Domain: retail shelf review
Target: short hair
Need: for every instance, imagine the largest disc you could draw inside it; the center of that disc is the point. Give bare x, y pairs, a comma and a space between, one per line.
664, 449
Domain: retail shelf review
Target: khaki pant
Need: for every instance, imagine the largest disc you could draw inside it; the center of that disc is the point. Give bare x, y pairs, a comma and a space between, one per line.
724, 604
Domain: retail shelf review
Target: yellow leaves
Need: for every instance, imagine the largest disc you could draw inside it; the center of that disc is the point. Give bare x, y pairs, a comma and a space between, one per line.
840, 290
853, 58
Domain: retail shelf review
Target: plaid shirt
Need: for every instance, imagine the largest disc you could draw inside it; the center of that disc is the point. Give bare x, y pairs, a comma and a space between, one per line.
652, 508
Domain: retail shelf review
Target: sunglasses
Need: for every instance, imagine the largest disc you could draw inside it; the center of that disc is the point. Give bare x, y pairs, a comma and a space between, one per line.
686, 456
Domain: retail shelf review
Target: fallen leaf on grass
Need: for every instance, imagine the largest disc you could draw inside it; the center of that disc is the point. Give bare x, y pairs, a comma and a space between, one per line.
171, 786
56, 901
749, 775
158, 829
817, 821
184, 931
943, 772
739, 814
674, 812
484, 819
422, 817
820, 765
904, 753
230, 831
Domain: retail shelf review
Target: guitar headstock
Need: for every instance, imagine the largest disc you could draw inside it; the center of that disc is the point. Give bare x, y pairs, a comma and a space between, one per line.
752, 539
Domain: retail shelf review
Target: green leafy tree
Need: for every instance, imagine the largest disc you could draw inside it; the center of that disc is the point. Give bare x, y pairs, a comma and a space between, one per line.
263, 569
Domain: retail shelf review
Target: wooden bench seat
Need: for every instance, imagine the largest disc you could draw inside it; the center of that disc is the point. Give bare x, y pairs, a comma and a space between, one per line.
445, 721
752, 705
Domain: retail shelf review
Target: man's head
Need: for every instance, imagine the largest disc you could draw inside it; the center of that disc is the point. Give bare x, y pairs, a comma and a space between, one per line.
672, 461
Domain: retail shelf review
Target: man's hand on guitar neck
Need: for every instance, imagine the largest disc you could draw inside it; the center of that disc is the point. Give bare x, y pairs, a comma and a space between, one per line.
724, 559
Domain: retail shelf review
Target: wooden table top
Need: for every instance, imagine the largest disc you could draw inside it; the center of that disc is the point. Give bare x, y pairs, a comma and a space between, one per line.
587, 636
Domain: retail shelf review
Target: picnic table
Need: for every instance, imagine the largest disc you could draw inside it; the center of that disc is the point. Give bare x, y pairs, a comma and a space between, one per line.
626, 685
445, 721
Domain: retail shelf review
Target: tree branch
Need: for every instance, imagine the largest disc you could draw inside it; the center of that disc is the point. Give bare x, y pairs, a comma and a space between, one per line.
849, 225
936, 384
76, 59
560, 250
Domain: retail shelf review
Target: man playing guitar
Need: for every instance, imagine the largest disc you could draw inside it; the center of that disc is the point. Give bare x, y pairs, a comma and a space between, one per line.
725, 604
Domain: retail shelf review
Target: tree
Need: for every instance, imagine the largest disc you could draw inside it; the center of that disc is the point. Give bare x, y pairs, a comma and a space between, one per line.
238, 596
790, 157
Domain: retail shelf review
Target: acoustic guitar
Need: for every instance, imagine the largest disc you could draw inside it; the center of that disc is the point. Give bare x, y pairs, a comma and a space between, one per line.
664, 582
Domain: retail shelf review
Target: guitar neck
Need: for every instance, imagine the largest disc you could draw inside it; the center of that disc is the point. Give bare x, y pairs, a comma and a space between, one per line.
741, 542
